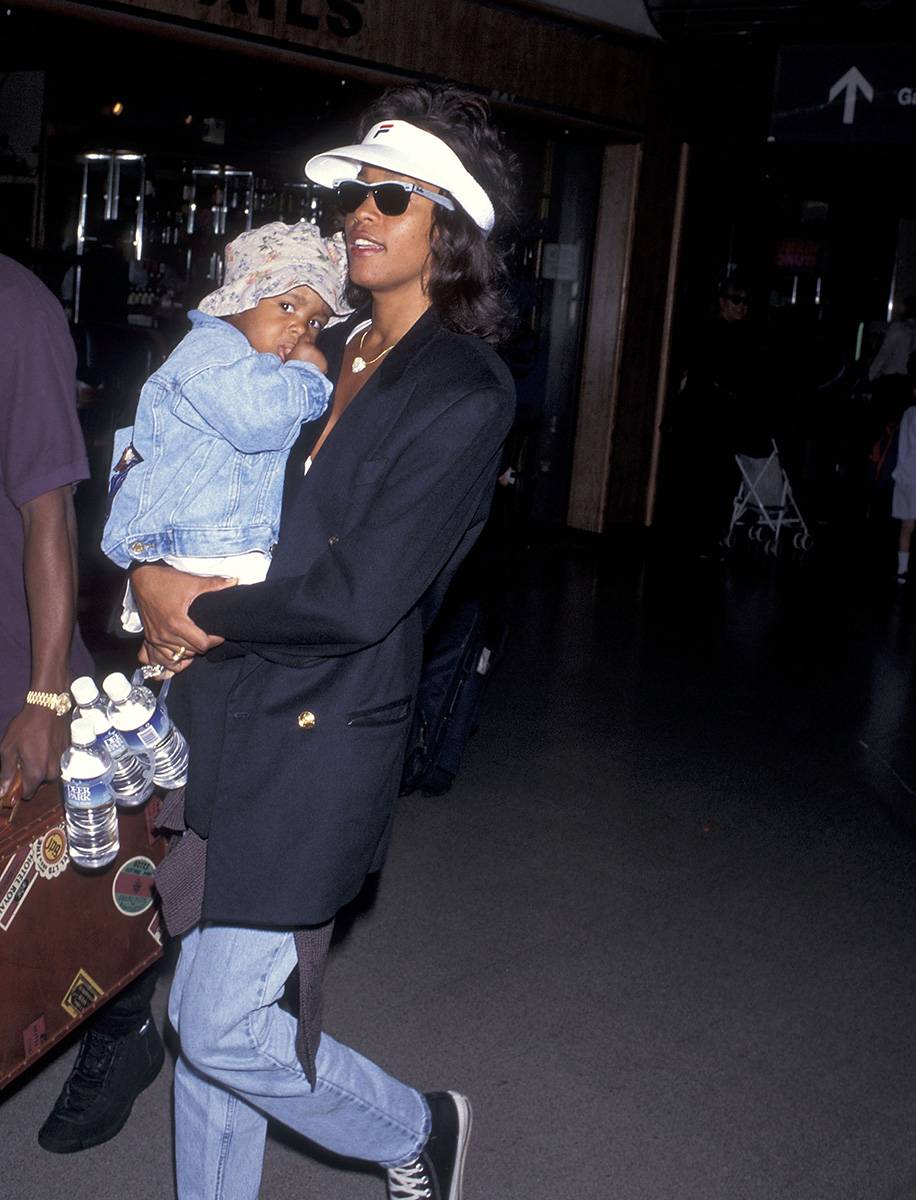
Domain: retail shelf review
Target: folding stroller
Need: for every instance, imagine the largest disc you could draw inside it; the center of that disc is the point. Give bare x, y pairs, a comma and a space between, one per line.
764, 505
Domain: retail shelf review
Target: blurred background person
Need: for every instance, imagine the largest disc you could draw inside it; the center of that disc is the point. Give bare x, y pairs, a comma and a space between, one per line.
723, 409
888, 369
903, 504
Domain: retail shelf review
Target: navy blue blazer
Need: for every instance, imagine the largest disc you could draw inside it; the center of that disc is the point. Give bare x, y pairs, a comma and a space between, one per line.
298, 723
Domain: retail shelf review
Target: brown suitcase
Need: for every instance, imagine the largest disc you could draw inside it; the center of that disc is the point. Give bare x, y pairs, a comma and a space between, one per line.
69, 940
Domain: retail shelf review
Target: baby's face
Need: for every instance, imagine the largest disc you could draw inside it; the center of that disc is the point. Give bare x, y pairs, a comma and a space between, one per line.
278, 322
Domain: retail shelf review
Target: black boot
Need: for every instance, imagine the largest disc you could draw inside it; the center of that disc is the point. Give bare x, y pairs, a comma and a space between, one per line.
109, 1074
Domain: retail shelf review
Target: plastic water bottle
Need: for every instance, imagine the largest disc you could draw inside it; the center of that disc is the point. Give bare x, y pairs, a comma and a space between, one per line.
86, 694
146, 726
91, 816
132, 781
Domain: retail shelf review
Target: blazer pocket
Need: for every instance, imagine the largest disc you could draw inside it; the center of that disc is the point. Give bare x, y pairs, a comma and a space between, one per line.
385, 714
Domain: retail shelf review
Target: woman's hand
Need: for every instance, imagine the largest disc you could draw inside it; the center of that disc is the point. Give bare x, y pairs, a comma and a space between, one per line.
163, 596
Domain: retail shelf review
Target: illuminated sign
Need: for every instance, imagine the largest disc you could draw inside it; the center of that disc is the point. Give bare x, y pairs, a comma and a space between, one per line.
849, 94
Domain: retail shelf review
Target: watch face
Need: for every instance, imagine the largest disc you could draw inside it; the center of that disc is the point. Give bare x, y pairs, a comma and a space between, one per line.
63, 704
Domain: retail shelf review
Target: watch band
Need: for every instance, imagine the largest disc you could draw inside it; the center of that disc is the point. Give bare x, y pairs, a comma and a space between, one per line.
58, 702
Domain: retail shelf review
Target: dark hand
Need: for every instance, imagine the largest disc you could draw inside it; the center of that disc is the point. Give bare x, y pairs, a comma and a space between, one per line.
35, 738
305, 351
163, 596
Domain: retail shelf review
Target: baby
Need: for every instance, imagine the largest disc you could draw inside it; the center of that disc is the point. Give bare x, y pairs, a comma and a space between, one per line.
197, 481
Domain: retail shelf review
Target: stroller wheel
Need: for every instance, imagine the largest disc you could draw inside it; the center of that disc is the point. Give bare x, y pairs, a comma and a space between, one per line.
771, 546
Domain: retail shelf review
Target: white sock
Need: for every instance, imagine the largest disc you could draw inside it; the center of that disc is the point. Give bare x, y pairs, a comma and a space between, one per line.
903, 561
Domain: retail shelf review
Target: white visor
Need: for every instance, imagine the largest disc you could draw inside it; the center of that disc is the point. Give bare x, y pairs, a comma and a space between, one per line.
403, 148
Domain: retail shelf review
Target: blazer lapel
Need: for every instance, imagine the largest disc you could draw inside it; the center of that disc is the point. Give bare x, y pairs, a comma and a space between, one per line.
376, 407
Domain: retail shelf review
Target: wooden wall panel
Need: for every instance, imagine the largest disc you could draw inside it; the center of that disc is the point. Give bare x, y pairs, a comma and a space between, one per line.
663, 386
525, 58
644, 345
604, 328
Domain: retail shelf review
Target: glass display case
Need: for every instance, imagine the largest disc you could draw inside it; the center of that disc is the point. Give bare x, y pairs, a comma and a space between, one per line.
109, 232
151, 233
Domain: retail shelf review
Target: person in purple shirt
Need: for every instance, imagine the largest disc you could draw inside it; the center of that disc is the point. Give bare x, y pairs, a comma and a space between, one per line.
42, 455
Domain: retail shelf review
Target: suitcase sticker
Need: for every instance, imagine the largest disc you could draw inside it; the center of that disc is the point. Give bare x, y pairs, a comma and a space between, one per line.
82, 993
132, 889
51, 854
16, 882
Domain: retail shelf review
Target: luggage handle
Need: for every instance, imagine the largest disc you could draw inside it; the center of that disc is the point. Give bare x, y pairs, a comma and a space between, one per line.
12, 797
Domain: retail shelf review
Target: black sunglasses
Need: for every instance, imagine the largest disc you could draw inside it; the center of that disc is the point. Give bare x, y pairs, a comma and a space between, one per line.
391, 196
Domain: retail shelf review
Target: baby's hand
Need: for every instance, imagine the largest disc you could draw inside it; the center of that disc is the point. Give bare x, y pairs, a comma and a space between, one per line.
305, 351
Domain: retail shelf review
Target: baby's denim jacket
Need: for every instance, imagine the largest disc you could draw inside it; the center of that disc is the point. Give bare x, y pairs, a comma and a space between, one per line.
200, 472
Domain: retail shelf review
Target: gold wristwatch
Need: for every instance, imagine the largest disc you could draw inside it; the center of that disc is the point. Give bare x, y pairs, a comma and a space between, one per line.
58, 702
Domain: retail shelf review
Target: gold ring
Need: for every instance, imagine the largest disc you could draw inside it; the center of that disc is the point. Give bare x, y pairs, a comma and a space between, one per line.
180, 653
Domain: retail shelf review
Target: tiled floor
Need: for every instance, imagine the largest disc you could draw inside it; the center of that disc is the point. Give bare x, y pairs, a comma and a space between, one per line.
662, 929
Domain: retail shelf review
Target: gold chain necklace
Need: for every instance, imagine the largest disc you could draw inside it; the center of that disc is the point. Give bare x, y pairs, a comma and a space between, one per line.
359, 363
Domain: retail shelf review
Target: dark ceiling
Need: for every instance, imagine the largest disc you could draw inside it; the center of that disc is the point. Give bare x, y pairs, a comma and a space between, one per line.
782, 21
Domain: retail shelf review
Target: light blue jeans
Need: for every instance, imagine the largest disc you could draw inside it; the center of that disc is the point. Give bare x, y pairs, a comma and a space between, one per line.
238, 1066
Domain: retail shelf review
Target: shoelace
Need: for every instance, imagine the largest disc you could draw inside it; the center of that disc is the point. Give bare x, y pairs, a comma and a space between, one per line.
90, 1070
409, 1183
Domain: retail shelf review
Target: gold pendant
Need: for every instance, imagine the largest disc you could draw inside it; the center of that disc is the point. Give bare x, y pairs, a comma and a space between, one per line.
358, 364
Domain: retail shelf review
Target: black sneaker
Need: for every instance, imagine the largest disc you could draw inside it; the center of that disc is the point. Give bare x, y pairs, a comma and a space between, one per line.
438, 1173
107, 1077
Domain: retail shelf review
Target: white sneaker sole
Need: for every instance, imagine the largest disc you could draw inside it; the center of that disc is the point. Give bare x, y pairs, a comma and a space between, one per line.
463, 1108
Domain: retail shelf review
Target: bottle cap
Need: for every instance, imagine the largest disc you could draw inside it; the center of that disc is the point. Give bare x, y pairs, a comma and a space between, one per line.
81, 732
84, 691
115, 686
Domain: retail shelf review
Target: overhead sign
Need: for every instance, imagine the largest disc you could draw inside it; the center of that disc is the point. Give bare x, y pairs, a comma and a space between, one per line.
851, 94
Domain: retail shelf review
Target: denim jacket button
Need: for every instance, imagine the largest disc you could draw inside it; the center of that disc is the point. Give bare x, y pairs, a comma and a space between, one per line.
333, 539
307, 720
137, 547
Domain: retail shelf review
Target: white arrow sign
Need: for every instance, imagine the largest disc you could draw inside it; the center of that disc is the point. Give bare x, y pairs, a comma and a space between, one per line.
851, 84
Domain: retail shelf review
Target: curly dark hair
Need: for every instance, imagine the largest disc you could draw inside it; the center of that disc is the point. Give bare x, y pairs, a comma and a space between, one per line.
468, 280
